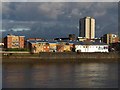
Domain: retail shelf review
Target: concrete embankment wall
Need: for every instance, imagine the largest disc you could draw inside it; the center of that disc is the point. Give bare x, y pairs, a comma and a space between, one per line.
79, 55
60, 57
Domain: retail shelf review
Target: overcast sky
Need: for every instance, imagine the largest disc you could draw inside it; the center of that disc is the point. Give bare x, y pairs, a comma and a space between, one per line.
62, 17
59, 0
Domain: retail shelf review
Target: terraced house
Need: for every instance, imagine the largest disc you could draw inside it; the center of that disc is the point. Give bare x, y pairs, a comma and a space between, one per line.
39, 46
36, 46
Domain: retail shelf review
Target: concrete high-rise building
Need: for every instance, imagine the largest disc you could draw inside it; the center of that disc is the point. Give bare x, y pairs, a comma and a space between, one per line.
87, 27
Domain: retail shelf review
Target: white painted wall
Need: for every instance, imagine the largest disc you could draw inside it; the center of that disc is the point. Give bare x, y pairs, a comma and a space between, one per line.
91, 48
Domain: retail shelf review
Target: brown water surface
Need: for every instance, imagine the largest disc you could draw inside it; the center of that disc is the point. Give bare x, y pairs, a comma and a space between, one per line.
82, 75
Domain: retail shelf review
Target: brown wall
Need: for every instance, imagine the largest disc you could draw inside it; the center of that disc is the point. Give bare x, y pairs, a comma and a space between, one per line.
21, 41
9, 42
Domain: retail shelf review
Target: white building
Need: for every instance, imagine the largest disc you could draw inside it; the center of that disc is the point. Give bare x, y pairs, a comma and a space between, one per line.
90, 47
1, 44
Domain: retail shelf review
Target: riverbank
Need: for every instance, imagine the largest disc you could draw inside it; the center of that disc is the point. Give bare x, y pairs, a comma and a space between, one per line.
66, 57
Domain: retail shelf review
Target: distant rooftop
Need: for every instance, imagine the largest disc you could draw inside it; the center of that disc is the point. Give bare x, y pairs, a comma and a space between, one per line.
90, 43
14, 35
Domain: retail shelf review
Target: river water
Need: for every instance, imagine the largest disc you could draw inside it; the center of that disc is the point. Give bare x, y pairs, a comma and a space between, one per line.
82, 75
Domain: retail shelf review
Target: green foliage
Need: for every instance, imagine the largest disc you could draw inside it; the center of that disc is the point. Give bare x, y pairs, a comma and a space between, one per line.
16, 49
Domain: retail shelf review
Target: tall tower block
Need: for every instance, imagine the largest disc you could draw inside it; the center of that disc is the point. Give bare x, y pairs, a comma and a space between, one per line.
87, 27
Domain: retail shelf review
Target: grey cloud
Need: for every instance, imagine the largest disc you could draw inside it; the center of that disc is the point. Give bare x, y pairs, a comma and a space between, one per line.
75, 12
60, 0
51, 10
5, 8
14, 0
0, 12
62, 14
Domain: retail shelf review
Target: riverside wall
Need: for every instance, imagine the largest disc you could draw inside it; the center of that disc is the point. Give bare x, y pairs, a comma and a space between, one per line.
60, 57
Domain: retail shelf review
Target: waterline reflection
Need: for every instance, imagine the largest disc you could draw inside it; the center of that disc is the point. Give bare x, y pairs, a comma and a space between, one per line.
83, 75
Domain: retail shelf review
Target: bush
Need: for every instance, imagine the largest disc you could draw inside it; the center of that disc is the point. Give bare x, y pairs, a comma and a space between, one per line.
16, 49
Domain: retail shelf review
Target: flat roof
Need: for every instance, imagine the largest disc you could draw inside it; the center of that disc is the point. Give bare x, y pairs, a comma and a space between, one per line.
90, 43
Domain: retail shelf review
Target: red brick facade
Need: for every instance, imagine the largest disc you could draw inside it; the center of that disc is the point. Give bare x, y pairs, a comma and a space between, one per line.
12, 41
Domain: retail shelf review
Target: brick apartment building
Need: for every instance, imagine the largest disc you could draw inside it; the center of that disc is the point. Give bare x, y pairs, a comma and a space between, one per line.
12, 41
110, 38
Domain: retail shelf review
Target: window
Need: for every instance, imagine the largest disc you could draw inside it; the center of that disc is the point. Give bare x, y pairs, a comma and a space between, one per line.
105, 47
99, 47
